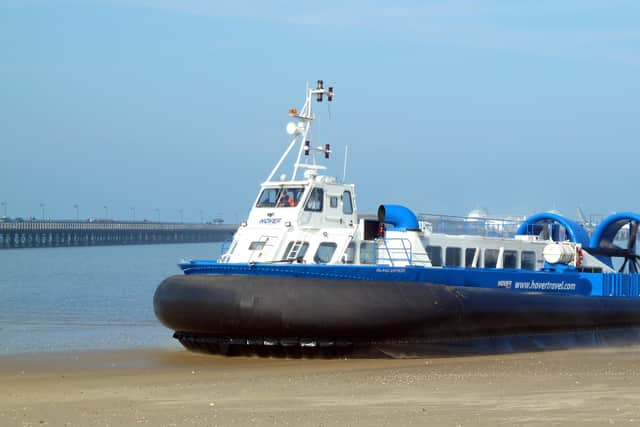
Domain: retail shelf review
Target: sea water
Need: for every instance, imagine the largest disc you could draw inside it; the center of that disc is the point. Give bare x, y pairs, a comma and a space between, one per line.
82, 298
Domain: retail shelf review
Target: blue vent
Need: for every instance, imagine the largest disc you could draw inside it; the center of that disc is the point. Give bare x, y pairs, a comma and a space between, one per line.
400, 217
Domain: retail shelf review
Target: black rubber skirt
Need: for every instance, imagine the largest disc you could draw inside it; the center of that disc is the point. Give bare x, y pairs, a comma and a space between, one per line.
215, 313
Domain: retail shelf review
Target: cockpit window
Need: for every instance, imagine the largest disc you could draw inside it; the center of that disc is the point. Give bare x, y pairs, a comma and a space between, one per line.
315, 200
289, 197
286, 197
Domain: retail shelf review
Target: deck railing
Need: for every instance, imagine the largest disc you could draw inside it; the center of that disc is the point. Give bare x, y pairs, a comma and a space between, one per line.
395, 251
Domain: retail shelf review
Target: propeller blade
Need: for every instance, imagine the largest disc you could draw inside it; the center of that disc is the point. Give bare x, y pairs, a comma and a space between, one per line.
633, 234
624, 264
545, 232
608, 244
615, 251
633, 266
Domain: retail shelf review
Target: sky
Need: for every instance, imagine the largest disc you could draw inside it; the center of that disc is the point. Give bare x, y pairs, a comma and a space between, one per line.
177, 108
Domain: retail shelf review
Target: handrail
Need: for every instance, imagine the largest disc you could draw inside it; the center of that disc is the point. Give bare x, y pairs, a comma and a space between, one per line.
404, 250
475, 226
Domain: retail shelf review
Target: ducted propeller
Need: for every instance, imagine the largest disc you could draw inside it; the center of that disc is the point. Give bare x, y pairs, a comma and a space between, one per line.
631, 257
607, 248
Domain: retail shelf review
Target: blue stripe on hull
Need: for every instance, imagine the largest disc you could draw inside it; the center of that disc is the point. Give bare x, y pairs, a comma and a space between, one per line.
567, 282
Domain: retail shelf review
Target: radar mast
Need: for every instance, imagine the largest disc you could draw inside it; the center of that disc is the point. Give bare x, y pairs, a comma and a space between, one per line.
300, 131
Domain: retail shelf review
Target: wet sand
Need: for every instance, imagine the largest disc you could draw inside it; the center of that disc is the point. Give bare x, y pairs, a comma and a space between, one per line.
174, 387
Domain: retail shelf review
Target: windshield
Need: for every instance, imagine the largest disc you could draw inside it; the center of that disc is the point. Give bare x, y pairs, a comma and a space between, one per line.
286, 197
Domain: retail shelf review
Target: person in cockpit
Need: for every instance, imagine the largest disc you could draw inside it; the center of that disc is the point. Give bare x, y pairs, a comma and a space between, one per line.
285, 200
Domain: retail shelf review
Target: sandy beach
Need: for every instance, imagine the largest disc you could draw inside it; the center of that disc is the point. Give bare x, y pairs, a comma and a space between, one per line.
174, 387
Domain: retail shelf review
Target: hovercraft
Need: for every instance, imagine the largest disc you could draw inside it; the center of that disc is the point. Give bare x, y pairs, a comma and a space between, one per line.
305, 275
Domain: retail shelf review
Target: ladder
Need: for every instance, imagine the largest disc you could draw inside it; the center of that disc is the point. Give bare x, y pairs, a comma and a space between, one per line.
295, 249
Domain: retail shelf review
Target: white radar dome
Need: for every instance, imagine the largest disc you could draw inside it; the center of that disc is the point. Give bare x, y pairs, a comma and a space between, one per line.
478, 213
291, 128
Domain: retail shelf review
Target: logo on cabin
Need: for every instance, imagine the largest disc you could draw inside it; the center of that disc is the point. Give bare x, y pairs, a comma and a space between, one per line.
270, 221
504, 284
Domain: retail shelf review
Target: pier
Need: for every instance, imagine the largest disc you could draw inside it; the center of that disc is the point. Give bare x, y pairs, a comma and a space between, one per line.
44, 234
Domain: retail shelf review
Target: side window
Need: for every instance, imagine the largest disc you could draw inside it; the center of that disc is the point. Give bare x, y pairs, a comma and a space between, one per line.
333, 202
469, 254
350, 254
453, 257
256, 246
528, 260
435, 255
347, 206
491, 258
315, 200
510, 259
366, 253
325, 252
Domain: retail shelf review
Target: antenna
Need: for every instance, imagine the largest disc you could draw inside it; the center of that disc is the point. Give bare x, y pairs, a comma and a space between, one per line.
344, 169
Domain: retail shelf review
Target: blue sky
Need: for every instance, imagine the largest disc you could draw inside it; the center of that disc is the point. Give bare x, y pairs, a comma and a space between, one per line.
518, 107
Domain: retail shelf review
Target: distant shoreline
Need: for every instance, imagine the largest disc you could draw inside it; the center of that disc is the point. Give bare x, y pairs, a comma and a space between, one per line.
37, 234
